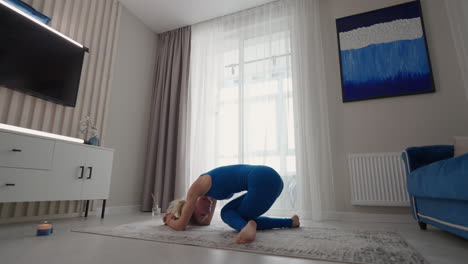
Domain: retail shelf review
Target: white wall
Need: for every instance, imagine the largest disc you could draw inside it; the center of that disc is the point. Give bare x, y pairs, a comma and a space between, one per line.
129, 109
391, 124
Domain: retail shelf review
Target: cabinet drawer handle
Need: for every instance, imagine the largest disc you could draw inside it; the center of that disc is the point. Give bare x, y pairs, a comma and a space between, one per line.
10, 184
82, 172
16, 150
90, 172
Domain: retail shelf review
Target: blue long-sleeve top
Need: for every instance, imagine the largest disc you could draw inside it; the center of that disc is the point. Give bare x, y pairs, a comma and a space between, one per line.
227, 180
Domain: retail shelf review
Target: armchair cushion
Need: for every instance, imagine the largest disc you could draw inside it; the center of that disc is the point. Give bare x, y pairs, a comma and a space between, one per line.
417, 157
446, 179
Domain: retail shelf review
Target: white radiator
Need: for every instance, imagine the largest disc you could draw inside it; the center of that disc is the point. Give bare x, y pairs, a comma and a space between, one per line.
378, 179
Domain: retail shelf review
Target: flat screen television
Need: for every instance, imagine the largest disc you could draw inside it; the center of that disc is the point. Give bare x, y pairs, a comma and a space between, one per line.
38, 60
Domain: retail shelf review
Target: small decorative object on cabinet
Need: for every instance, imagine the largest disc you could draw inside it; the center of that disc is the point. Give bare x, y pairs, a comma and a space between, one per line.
93, 141
89, 132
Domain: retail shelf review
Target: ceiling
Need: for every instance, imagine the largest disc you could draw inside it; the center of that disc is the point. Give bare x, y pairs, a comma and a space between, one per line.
164, 15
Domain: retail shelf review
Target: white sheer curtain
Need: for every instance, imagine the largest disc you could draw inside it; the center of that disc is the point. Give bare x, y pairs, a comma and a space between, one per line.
457, 11
256, 100
314, 165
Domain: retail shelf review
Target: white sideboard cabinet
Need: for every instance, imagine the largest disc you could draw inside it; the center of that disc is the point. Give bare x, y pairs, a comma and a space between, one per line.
38, 168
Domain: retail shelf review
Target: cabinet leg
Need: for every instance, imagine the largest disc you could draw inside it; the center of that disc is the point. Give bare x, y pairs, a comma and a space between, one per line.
87, 207
103, 208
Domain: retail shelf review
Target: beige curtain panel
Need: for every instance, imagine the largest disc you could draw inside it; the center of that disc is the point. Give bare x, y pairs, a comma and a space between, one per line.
168, 129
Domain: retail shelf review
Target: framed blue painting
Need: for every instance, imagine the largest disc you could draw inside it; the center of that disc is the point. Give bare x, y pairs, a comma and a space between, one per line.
383, 53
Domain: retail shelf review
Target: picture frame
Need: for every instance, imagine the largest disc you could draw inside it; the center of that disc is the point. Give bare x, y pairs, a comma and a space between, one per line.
384, 53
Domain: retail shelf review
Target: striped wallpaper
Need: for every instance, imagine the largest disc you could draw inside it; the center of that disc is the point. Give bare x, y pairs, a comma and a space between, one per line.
93, 23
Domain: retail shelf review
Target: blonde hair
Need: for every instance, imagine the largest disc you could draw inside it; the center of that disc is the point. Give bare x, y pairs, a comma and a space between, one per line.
175, 207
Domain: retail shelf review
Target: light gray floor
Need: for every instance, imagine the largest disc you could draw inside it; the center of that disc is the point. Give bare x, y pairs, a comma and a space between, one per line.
18, 244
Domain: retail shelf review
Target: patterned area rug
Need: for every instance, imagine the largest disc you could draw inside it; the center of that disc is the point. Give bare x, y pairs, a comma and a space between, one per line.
346, 246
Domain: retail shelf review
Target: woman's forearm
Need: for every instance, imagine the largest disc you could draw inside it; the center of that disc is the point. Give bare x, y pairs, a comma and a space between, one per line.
198, 188
181, 223
187, 211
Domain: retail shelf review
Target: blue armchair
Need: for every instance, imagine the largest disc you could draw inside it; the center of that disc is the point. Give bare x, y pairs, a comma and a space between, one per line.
438, 187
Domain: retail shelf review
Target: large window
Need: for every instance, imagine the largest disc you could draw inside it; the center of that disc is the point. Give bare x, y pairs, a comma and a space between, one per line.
254, 111
257, 94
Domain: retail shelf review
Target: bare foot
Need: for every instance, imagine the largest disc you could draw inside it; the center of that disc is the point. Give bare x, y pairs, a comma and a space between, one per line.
248, 233
295, 221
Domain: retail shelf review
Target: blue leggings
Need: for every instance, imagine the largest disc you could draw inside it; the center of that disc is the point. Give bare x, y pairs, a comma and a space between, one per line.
265, 185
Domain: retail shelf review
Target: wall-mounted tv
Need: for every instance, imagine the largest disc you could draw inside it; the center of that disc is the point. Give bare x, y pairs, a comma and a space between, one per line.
37, 60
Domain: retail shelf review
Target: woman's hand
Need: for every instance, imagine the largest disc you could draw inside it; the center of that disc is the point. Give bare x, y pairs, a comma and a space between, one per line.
165, 217
199, 188
172, 222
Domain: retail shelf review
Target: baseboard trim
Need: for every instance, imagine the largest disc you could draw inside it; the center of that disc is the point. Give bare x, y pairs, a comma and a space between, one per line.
26, 219
119, 210
344, 216
367, 217
111, 210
